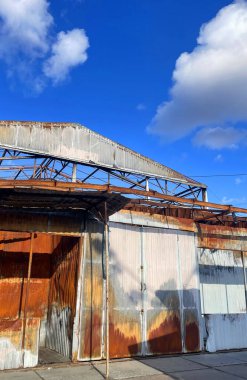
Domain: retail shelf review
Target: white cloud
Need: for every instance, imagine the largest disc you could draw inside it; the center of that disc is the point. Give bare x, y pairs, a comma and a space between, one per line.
67, 52
210, 83
24, 26
27, 44
218, 137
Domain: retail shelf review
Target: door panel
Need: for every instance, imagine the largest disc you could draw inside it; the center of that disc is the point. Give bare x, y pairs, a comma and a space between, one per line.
125, 291
162, 306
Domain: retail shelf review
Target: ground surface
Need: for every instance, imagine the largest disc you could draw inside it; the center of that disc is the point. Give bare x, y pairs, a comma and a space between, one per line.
227, 366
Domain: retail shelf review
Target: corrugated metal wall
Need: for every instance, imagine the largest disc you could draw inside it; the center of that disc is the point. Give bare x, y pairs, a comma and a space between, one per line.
222, 282
62, 295
223, 297
154, 292
14, 254
91, 309
52, 286
126, 304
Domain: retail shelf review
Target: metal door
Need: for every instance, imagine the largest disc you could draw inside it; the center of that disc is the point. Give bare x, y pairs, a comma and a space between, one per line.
125, 291
162, 298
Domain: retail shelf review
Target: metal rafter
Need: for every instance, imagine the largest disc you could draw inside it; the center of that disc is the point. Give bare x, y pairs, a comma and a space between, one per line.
36, 166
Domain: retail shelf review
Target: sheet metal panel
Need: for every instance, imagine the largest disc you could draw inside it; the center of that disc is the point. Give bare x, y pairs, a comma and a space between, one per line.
62, 295
92, 295
14, 253
11, 354
155, 220
47, 223
189, 285
163, 299
222, 237
125, 291
79, 144
154, 292
226, 331
222, 282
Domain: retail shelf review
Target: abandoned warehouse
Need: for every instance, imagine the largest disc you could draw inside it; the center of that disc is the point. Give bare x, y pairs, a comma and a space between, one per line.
105, 252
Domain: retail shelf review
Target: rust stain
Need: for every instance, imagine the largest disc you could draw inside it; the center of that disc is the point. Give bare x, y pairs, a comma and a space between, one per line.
192, 338
164, 333
185, 224
62, 291
222, 237
12, 299
12, 330
67, 224
93, 286
91, 321
10, 294
123, 339
14, 253
63, 281
191, 330
37, 299
54, 268
124, 327
91, 329
32, 330
7, 326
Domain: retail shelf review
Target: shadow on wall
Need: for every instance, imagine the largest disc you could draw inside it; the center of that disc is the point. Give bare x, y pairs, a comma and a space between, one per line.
142, 321
172, 324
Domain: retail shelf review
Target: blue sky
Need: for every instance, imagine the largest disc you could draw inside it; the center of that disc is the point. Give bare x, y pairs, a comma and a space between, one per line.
123, 67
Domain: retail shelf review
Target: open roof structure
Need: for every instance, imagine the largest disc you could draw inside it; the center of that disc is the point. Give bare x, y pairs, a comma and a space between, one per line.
40, 159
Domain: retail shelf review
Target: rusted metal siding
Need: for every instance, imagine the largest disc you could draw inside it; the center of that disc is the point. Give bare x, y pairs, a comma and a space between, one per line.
91, 313
173, 306
164, 333
14, 252
63, 224
222, 266
154, 292
125, 291
11, 353
53, 273
222, 237
62, 294
189, 284
155, 220
13, 272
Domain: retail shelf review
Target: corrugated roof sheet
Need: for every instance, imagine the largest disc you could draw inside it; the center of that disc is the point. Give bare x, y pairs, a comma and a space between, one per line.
73, 142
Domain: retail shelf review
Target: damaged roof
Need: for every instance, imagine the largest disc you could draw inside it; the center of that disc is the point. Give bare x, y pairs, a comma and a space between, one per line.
75, 143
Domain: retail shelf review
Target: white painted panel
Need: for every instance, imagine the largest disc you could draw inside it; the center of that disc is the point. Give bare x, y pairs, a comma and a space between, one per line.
188, 267
222, 282
125, 263
160, 247
226, 332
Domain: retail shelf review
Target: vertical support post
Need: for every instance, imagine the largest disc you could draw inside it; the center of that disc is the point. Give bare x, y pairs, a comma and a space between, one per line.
107, 290
34, 168
147, 186
166, 187
27, 290
74, 172
204, 195
245, 281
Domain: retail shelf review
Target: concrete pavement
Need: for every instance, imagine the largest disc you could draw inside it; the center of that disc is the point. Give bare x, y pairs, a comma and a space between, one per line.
225, 366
